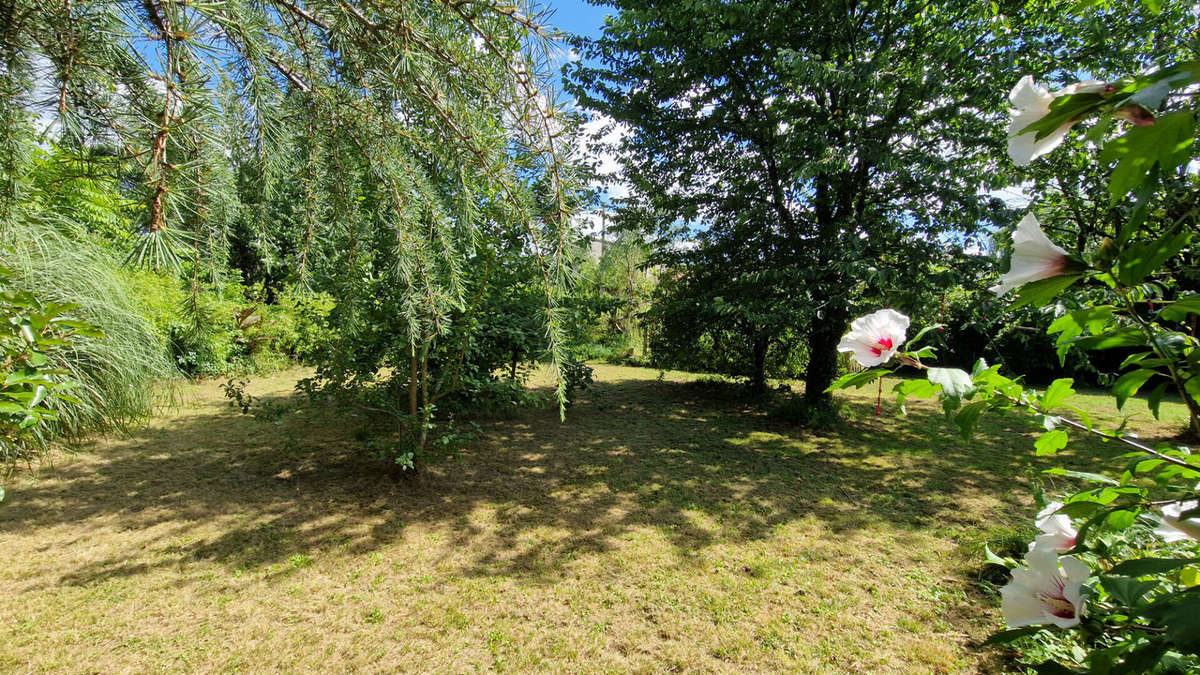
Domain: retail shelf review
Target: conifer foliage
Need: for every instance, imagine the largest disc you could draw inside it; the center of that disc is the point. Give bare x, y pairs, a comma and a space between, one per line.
378, 152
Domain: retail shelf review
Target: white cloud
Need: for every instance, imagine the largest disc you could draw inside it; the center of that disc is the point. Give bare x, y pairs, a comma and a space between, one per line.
1013, 196
593, 223
598, 140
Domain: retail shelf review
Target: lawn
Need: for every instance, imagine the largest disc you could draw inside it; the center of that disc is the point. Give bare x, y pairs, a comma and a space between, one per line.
664, 527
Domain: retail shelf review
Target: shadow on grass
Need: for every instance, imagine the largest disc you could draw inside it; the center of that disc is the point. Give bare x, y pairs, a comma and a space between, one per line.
634, 454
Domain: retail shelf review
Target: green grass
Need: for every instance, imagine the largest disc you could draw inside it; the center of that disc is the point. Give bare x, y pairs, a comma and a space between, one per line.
664, 526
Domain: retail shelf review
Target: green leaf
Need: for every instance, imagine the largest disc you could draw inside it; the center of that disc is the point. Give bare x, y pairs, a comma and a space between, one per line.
1063, 109
954, 382
1146, 566
917, 338
39, 395
1058, 391
1050, 442
858, 380
1080, 509
968, 416
1154, 398
1180, 308
1121, 519
1134, 358
1128, 384
992, 557
914, 388
1082, 475
1165, 144
1190, 576
1183, 625
1127, 590
1124, 337
1191, 387
1042, 291
1139, 260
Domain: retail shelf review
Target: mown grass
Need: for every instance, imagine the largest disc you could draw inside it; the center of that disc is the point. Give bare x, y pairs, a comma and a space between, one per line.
665, 526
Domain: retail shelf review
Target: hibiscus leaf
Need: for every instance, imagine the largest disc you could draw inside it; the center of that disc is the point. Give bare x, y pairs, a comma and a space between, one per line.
1063, 109
917, 338
1183, 625
1007, 636
1128, 384
954, 382
1082, 475
1040, 292
1080, 509
1058, 391
1146, 566
857, 380
1050, 442
913, 388
1155, 398
1181, 307
1127, 590
1125, 337
1121, 518
1139, 260
991, 557
968, 416
1165, 144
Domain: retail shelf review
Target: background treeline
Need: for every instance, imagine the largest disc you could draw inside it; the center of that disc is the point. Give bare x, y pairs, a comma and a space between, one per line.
795, 164
386, 192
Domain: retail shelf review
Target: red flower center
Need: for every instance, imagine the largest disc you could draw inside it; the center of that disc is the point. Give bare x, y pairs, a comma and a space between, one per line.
882, 344
1058, 605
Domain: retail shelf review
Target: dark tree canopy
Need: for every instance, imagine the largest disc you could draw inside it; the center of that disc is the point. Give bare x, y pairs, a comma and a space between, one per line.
834, 144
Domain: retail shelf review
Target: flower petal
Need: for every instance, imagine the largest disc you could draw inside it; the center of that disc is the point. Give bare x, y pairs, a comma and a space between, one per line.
1034, 257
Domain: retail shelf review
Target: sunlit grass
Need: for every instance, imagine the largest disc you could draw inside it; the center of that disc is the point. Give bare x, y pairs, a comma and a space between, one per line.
667, 525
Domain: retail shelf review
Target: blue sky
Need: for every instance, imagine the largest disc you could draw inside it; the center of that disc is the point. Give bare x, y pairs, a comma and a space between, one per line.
577, 16
583, 18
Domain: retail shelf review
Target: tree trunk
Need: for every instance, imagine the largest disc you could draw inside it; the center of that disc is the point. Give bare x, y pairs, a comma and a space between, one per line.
758, 383
823, 337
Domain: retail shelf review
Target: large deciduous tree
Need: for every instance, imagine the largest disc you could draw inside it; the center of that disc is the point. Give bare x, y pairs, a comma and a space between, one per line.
853, 137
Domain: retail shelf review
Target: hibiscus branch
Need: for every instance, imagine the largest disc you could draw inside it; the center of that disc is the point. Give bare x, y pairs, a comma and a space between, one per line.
1021, 402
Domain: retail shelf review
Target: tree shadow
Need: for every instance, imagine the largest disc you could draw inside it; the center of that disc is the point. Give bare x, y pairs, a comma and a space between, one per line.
633, 454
